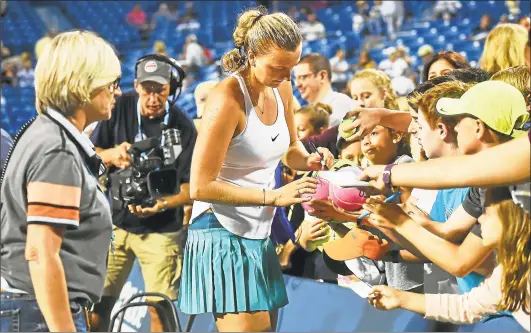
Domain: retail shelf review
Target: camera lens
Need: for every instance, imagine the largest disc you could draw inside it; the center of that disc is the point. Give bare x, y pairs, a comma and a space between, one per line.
171, 137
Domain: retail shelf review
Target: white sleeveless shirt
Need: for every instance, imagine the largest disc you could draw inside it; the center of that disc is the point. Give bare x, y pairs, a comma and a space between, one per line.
250, 162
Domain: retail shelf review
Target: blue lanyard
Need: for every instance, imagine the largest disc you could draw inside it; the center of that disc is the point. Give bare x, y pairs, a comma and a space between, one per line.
139, 117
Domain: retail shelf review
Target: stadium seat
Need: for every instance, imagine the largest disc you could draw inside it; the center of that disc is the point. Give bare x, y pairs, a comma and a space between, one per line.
22, 27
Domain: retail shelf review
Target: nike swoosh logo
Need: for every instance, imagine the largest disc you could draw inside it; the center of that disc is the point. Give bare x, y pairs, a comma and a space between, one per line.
273, 139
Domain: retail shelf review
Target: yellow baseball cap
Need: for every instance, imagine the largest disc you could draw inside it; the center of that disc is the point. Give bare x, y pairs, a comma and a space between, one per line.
498, 104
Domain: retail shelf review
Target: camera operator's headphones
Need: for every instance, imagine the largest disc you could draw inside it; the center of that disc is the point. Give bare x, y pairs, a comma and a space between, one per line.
176, 77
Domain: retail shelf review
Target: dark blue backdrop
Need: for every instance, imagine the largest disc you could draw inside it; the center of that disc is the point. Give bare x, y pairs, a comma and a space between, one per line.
317, 307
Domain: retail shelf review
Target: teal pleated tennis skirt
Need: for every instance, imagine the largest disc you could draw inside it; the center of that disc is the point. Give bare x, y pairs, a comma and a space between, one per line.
226, 273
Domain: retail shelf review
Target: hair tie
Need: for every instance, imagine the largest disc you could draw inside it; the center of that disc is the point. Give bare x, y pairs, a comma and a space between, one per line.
257, 18
241, 49
243, 56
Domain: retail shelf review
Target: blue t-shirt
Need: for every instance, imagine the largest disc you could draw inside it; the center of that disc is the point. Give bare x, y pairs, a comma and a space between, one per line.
443, 207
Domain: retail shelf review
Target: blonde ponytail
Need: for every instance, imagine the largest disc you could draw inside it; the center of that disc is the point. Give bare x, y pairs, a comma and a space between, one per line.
259, 32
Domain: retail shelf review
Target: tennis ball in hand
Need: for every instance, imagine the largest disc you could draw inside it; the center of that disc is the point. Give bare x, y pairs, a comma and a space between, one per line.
345, 123
313, 245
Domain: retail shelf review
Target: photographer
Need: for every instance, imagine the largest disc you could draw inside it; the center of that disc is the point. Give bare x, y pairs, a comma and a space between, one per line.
151, 234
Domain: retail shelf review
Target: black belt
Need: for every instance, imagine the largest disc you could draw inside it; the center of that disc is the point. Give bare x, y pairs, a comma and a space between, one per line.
83, 302
9, 295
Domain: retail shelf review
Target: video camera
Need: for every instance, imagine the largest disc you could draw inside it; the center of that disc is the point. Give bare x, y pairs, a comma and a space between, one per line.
152, 173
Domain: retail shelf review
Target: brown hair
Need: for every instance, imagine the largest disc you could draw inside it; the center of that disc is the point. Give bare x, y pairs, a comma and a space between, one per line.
319, 114
259, 32
455, 59
317, 62
427, 101
514, 252
517, 77
403, 147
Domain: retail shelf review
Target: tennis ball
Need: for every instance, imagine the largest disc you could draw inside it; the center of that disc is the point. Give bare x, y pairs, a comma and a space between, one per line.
345, 123
313, 245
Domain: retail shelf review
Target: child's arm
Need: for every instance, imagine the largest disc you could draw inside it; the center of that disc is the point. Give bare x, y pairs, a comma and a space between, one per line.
455, 229
406, 256
460, 309
285, 254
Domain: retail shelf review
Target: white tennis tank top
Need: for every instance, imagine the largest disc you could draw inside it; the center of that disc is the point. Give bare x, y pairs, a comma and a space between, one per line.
251, 160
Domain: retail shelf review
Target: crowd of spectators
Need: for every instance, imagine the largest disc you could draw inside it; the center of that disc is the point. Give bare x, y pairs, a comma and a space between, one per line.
417, 116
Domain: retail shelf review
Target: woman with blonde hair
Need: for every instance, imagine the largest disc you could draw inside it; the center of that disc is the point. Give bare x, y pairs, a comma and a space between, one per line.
230, 265
369, 88
372, 89
503, 48
505, 226
56, 221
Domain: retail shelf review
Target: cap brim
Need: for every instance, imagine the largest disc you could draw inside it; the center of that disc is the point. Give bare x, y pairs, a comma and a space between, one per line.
357, 243
450, 107
346, 248
336, 266
157, 79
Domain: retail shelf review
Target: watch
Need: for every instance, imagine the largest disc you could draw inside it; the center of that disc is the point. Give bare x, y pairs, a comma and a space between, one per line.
164, 205
387, 177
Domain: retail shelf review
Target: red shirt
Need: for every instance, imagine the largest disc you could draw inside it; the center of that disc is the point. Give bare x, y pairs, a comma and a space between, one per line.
136, 17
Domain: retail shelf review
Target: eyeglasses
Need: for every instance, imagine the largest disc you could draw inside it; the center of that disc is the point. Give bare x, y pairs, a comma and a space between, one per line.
112, 87
115, 85
303, 77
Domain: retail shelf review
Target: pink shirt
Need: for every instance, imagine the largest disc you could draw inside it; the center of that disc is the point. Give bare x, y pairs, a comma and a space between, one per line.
472, 306
136, 17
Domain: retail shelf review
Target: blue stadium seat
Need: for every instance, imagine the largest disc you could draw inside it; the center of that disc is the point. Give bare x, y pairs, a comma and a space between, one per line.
22, 28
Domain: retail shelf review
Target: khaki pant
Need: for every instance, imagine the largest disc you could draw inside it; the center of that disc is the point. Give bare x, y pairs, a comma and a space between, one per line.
159, 256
